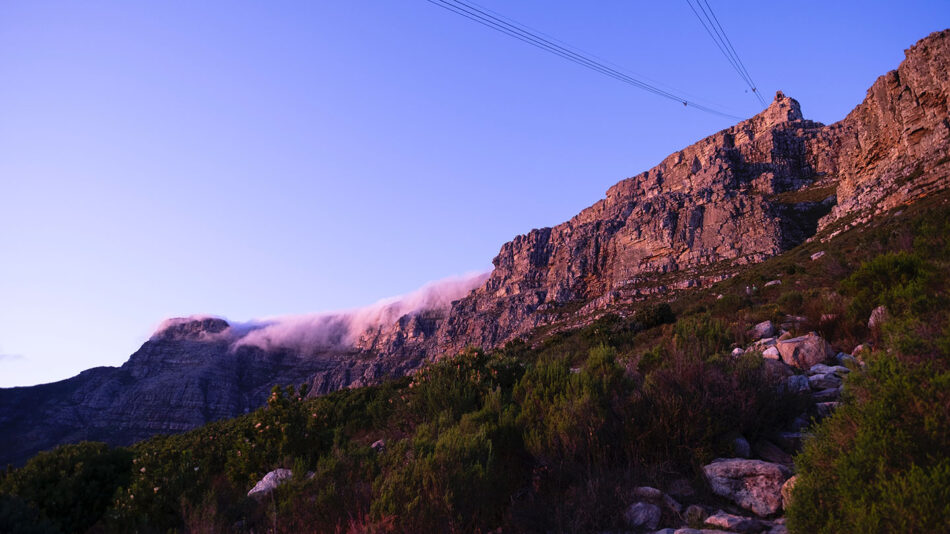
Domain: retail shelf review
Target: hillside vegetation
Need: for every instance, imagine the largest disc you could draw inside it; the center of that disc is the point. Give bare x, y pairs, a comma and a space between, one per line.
554, 434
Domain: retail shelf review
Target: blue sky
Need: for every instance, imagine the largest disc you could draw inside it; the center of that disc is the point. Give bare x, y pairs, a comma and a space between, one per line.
250, 159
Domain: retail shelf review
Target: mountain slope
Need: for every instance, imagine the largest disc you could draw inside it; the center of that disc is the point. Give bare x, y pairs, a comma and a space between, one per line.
737, 197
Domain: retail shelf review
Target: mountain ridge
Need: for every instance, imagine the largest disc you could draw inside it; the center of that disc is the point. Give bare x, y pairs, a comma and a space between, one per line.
739, 196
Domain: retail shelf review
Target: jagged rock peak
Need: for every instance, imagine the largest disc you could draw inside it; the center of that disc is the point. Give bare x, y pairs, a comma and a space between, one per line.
782, 109
189, 328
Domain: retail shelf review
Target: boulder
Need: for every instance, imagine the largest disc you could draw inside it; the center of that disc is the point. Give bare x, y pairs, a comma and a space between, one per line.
754, 485
771, 283
643, 515
825, 381
787, 490
771, 353
878, 317
270, 482
826, 408
826, 395
771, 452
680, 487
797, 384
741, 447
657, 497
736, 352
817, 255
695, 514
822, 369
790, 442
804, 351
734, 523
776, 370
762, 330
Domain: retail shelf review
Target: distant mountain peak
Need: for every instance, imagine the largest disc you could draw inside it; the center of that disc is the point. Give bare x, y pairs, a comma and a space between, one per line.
194, 328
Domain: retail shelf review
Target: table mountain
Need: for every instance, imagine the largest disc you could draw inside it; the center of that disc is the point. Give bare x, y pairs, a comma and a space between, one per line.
739, 196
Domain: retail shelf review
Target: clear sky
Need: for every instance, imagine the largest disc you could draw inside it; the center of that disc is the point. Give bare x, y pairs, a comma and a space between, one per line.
249, 159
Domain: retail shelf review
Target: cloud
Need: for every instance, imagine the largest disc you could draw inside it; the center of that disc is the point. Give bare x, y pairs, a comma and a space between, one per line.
308, 332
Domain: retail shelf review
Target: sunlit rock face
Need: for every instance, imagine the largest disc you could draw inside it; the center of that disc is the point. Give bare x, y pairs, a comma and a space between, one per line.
737, 197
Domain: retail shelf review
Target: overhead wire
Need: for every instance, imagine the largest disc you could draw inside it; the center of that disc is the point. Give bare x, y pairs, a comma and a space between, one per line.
710, 23
518, 31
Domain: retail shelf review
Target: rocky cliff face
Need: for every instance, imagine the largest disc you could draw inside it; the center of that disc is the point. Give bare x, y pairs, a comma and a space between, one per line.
893, 148
737, 197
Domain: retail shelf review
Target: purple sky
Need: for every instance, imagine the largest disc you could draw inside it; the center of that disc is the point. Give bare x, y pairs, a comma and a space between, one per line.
251, 159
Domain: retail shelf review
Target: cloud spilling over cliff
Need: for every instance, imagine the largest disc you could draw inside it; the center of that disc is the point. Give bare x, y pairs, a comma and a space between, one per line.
309, 332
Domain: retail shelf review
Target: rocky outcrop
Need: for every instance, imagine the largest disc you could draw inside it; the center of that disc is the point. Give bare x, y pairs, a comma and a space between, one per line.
804, 351
739, 196
752, 484
269, 483
892, 148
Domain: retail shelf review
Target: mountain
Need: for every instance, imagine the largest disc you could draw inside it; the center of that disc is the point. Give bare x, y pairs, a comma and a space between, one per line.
738, 197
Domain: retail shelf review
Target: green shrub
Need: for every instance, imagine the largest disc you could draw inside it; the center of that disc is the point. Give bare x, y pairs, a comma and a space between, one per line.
791, 302
897, 280
701, 336
880, 463
71, 485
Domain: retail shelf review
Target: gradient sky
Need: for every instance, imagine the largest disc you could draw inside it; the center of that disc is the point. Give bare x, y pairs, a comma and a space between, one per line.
249, 159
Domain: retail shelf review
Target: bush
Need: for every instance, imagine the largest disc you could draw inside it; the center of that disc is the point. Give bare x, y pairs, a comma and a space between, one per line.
898, 281
71, 485
880, 463
701, 336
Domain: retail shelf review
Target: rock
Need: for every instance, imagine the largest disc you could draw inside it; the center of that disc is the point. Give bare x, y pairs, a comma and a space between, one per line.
878, 317
817, 255
655, 496
776, 370
680, 487
741, 447
790, 442
378, 445
752, 484
771, 283
784, 335
270, 482
826, 395
734, 523
778, 529
771, 353
825, 381
695, 515
822, 369
826, 408
762, 330
804, 351
800, 422
787, 490
737, 352
845, 360
642, 515
797, 384
646, 492
770, 452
